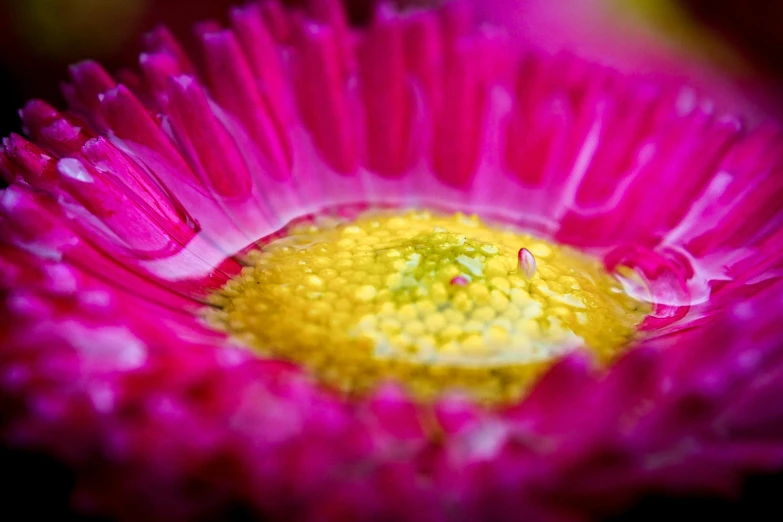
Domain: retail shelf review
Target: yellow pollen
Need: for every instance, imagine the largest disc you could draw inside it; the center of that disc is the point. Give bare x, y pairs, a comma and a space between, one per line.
432, 301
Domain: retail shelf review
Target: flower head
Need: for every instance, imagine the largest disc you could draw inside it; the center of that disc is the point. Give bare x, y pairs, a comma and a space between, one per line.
200, 259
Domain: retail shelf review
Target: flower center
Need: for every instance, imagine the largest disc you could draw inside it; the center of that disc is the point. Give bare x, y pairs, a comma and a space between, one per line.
433, 301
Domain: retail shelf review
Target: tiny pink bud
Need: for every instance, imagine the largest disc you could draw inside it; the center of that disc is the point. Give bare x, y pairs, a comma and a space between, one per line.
459, 281
526, 263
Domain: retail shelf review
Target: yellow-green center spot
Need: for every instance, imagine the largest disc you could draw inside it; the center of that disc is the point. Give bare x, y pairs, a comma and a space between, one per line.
432, 301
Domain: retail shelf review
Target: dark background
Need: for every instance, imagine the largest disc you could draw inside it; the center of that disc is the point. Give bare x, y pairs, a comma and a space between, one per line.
39, 38
34, 487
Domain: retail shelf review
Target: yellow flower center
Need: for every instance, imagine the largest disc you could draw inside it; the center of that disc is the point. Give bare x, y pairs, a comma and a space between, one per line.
432, 301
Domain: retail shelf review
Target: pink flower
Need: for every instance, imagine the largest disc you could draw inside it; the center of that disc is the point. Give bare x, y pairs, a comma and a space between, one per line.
123, 213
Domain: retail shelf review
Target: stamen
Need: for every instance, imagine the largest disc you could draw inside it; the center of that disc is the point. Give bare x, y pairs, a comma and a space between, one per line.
459, 281
431, 301
526, 263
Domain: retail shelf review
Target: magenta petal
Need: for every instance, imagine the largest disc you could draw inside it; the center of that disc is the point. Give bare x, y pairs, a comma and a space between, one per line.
387, 98
233, 84
263, 58
322, 101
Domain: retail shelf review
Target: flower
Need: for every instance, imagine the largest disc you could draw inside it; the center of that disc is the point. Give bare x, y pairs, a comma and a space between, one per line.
126, 213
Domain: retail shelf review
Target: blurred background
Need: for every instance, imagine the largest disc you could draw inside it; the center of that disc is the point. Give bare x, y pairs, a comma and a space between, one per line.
739, 40
40, 38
